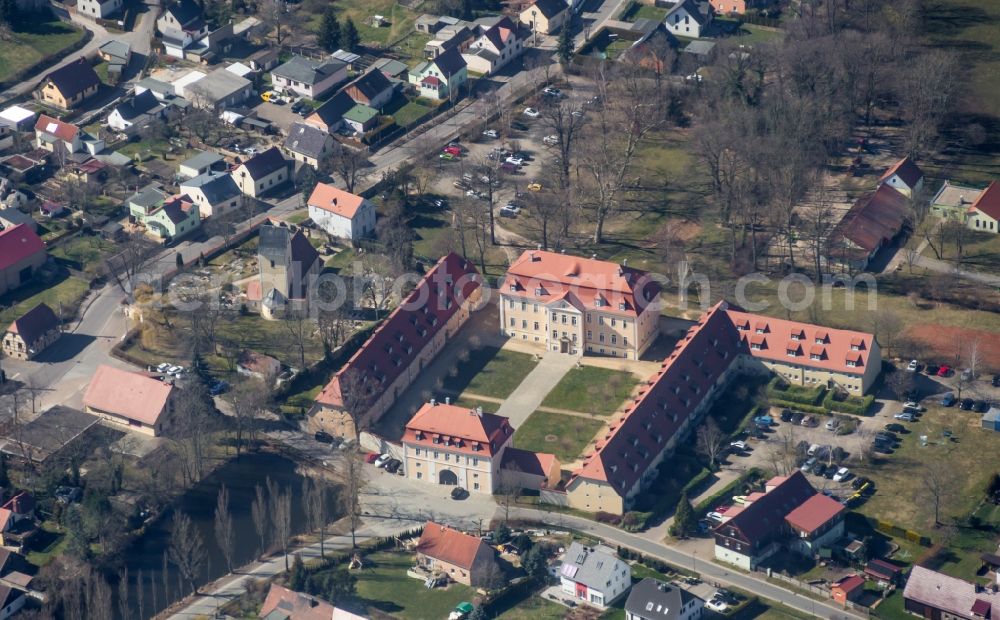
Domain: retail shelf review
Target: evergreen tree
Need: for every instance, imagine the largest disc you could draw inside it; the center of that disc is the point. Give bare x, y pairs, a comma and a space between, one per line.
501, 534
8, 12
535, 562
478, 613
297, 575
329, 31
564, 49
685, 520
351, 40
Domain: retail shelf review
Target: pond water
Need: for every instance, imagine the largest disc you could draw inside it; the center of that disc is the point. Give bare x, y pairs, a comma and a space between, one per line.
240, 477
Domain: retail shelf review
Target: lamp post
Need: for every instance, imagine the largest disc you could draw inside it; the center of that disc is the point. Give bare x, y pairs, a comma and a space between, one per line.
534, 27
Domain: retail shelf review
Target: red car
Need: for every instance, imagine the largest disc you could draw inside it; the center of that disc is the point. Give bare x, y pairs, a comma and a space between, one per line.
370, 457
454, 150
944, 371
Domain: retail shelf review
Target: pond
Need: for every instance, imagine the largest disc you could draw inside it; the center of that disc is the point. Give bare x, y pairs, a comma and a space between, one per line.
147, 553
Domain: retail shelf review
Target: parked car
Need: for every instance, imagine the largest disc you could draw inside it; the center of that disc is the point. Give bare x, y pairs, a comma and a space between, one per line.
944, 371
717, 605
797, 417
714, 516
323, 437
393, 465
886, 437
517, 161
913, 366
841, 474
809, 421
534, 187
531, 112
786, 415
948, 399
550, 140
905, 416
832, 424
371, 457
454, 150
382, 460
982, 406
459, 493
859, 482
813, 449
967, 404
967, 375
508, 211
819, 469
808, 465
163, 367
931, 369
447, 157
996, 381
910, 408
552, 91
217, 387
491, 133
738, 446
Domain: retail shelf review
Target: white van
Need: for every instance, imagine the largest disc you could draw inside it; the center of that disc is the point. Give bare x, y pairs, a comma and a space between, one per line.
813, 449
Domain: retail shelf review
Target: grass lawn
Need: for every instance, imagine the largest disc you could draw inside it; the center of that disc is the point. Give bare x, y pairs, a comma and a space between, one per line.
972, 452
68, 291
29, 47
101, 69
411, 49
490, 371
297, 217
892, 608
410, 113
383, 586
534, 608
400, 21
300, 403
751, 33
82, 251
981, 251
149, 149
647, 11
53, 542
341, 260
591, 390
563, 435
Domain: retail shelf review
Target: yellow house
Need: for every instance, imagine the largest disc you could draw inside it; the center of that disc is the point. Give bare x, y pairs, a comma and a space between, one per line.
68, 86
545, 16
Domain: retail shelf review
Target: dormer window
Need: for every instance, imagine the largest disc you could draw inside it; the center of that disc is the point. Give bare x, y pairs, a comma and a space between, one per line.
855, 347
815, 356
513, 287
755, 346
851, 363
621, 306
539, 291
599, 302
792, 352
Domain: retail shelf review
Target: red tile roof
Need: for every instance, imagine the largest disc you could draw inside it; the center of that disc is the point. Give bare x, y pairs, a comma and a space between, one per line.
57, 128
18, 243
834, 347
907, 170
874, 219
640, 432
814, 513
761, 521
399, 340
882, 569
458, 429
850, 583
127, 394
451, 546
295, 605
534, 463
335, 200
989, 201
547, 276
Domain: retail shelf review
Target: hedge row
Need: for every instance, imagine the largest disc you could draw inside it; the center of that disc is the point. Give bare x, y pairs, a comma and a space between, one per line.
780, 389
750, 476
800, 407
853, 404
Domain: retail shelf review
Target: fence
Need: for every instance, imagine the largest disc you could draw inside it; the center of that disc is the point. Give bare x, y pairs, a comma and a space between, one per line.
802, 585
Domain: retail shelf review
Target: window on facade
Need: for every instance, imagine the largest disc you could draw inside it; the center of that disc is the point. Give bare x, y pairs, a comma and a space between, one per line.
555, 333
524, 324
524, 306
513, 322
601, 338
536, 325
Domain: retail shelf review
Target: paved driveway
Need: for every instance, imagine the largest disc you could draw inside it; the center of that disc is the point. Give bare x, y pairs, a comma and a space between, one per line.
535, 387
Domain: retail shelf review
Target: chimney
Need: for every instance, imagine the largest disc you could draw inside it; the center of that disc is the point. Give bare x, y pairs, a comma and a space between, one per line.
479, 411
433, 402
593, 256
539, 247
624, 262
447, 400
562, 251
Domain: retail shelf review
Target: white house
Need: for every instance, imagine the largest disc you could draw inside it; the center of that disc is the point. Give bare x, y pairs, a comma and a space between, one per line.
181, 25
905, 177
689, 18
495, 47
261, 173
340, 213
136, 112
309, 78
594, 575
984, 214
438, 78
98, 9
214, 192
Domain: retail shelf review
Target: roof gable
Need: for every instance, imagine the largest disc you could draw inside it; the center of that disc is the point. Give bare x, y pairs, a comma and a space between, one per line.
451, 546
331, 198
64, 131
989, 201
265, 164
74, 78
449, 62
35, 323
907, 170
762, 519
458, 428
548, 8
18, 243
128, 394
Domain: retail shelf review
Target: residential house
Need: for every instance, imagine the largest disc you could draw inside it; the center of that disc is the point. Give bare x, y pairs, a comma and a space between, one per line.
545, 16
340, 213
32, 333
689, 18
458, 36
372, 89
52, 209
330, 116
309, 78
15, 572
129, 400
12, 600
180, 25
164, 218
258, 366
441, 77
847, 589
391, 68
261, 173
652, 599
787, 515
21, 254
401, 347
163, 91
215, 193
984, 214
430, 24
361, 118
883, 572
68, 86
202, 163
49, 436
461, 557
136, 113
809, 355
289, 266
525, 469
905, 176
218, 90
98, 9
875, 220
577, 305
933, 595
28, 166
146, 199
264, 59
594, 575
92, 172
952, 201
350, 58
17, 118
733, 7
284, 604
54, 135
17, 521
117, 54
455, 446
308, 144
496, 46
12, 215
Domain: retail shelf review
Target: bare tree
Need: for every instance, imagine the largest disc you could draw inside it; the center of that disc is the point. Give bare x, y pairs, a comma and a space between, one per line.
300, 330
350, 493
378, 284
350, 165
939, 487
710, 440
887, 325
249, 402
124, 612
507, 490
225, 536
140, 594
356, 395
193, 416
281, 519
187, 548
128, 263
275, 14
261, 520
99, 599
316, 506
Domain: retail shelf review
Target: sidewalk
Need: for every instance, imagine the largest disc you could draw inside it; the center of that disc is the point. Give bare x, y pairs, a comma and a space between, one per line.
529, 395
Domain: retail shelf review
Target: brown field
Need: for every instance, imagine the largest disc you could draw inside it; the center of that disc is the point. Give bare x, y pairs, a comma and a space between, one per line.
946, 344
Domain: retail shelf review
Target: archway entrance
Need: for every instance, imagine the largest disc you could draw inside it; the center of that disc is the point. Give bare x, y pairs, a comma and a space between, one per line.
447, 477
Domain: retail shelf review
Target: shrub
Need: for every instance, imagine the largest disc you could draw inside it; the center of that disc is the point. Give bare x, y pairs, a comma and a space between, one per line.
607, 517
